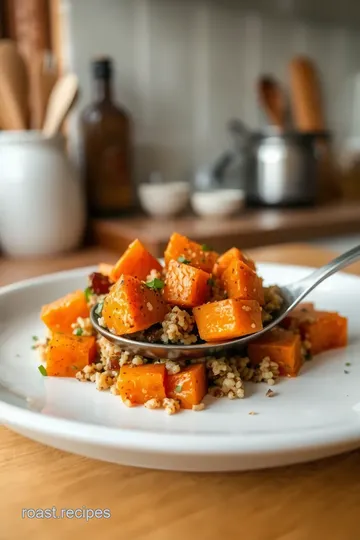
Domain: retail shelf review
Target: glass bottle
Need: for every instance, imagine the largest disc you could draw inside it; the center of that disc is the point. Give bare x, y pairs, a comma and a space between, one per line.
106, 132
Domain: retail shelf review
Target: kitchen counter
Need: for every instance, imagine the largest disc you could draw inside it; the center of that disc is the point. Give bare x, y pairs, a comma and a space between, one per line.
252, 228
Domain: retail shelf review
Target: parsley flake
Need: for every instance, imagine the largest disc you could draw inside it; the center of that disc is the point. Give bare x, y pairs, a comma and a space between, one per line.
348, 364
211, 282
346, 372
75, 368
35, 338
156, 284
79, 332
42, 370
205, 247
178, 388
88, 292
182, 260
99, 308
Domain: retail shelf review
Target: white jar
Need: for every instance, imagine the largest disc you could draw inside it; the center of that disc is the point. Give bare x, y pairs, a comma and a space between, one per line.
42, 209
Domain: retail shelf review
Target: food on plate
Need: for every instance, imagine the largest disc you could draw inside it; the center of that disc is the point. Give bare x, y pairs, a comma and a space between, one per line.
197, 296
186, 286
240, 281
228, 319
68, 354
136, 262
61, 314
132, 306
282, 347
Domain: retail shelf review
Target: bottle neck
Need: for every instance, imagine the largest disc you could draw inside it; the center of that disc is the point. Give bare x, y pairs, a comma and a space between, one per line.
103, 90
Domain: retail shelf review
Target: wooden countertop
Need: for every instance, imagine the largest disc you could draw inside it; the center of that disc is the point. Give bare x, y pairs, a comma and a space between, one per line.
251, 229
313, 501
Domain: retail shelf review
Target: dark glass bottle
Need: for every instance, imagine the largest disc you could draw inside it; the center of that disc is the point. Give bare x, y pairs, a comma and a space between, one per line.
106, 131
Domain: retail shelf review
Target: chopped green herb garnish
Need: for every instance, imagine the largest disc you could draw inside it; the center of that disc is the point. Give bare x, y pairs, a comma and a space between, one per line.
205, 247
35, 338
42, 370
88, 292
79, 332
346, 372
182, 260
211, 282
33, 347
99, 308
348, 364
75, 368
178, 388
155, 284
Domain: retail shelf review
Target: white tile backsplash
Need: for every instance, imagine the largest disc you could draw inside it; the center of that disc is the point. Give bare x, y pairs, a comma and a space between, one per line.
184, 67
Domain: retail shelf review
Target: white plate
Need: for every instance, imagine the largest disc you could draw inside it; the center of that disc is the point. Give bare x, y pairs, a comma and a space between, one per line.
312, 416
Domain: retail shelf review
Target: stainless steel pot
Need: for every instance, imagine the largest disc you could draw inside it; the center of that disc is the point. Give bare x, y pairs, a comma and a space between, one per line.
283, 168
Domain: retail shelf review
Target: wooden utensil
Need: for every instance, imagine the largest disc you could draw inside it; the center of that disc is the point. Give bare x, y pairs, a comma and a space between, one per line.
13, 88
273, 101
43, 76
306, 98
61, 100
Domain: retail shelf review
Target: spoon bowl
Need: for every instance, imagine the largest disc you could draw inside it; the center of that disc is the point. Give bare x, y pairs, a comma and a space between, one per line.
292, 295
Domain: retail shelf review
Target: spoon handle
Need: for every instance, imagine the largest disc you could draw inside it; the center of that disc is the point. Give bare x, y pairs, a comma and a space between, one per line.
307, 284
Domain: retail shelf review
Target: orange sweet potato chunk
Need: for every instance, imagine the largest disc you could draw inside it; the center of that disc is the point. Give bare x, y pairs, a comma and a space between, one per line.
240, 281
62, 313
136, 262
198, 255
68, 354
304, 312
188, 386
328, 331
186, 286
282, 347
131, 306
228, 319
141, 383
225, 259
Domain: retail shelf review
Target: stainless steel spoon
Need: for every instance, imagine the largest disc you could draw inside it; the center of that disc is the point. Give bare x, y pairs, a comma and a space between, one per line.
292, 295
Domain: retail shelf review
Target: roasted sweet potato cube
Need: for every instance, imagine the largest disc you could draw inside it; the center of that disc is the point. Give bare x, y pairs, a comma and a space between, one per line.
225, 259
304, 312
188, 386
136, 262
131, 306
68, 354
240, 281
282, 347
140, 383
196, 254
62, 313
327, 331
186, 286
228, 319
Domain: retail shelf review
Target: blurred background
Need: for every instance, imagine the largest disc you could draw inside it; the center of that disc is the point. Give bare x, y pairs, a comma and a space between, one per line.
231, 121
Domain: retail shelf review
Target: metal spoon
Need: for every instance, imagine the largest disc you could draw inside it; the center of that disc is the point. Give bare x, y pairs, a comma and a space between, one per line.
292, 295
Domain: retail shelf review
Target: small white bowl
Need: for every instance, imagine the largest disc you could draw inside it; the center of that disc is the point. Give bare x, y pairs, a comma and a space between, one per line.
220, 203
165, 199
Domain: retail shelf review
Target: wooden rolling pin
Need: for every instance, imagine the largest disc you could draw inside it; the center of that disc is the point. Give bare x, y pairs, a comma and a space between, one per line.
306, 98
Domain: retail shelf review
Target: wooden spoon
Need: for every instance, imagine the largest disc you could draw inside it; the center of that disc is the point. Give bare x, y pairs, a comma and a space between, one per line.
14, 88
61, 100
43, 76
273, 101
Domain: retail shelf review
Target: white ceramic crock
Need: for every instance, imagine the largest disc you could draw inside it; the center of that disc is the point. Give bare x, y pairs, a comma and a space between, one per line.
42, 208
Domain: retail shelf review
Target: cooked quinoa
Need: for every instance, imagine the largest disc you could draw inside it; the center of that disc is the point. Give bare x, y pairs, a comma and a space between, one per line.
179, 327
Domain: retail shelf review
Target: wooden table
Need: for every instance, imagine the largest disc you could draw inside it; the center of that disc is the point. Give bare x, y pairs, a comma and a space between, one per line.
315, 501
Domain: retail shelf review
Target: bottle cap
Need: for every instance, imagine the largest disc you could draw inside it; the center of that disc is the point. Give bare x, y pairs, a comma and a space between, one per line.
102, 68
